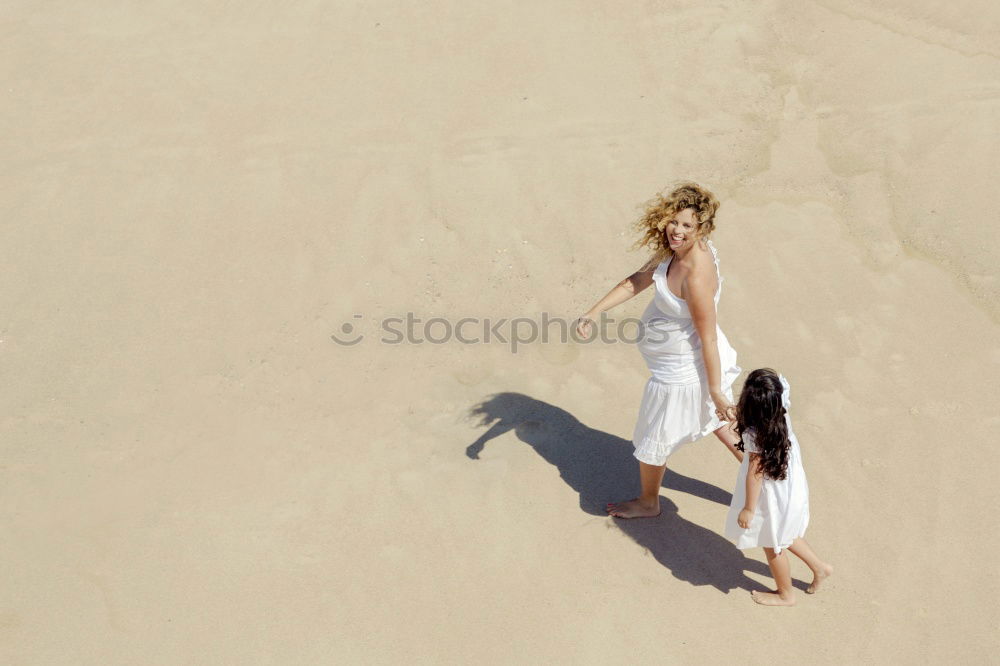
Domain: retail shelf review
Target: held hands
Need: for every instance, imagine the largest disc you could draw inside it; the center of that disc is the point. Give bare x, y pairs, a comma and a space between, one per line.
723, 408
746, 515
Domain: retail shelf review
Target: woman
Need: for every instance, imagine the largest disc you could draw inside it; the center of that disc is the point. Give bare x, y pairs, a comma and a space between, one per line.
691, 362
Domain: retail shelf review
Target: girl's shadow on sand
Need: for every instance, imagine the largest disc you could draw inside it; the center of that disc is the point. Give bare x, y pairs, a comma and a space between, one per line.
600, 468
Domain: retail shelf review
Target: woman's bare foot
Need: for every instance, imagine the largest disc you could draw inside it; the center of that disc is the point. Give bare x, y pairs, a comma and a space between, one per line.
634, 508
819, 577
773, 599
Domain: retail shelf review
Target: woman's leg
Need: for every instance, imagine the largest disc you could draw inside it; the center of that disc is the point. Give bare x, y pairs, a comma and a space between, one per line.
785, 596
727, 435
647, 504
821, 570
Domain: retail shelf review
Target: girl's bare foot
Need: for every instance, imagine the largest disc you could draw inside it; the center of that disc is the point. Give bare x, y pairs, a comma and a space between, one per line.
634, 508
818, 577
773, 599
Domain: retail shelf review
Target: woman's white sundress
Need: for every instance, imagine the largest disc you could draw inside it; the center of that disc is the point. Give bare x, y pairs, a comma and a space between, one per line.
782, 512
676, 406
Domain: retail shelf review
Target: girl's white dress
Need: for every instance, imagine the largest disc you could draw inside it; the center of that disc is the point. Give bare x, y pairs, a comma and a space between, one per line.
676, 407
782, 513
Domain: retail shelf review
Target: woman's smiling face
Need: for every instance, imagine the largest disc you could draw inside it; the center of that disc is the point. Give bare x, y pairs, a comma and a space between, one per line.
682, 231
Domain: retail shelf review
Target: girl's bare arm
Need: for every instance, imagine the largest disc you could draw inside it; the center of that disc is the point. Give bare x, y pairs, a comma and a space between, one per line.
755, 479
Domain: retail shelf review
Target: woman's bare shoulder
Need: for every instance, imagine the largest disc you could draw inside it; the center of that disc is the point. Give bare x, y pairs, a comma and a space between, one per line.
699, 259
701, 274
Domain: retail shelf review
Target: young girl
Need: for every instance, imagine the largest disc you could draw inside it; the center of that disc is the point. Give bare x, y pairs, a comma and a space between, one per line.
770, 506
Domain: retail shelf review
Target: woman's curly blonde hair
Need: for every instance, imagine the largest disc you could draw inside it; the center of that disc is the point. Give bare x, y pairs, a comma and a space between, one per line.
662, 209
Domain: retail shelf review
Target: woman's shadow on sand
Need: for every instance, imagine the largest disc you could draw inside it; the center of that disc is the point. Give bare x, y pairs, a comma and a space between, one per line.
600, 468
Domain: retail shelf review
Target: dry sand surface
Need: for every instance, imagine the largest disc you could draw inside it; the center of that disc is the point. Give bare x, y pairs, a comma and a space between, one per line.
196, 195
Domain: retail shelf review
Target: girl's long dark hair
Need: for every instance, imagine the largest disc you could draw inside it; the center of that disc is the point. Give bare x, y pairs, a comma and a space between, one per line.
760, 408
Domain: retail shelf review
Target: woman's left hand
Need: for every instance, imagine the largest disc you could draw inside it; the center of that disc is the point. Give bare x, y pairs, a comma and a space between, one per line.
723, 408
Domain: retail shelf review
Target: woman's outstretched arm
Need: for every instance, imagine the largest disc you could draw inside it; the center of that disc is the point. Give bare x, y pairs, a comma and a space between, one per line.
620, 293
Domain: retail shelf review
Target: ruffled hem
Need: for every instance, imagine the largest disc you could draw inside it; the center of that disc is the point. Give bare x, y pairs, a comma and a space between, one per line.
742, 540
672, 415
656, 451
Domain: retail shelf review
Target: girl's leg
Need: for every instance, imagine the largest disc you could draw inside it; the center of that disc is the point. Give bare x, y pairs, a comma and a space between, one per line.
821, 570
646, 505
785, 596
727, 435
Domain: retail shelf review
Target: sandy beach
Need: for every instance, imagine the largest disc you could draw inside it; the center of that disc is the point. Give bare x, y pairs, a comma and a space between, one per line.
199, 196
